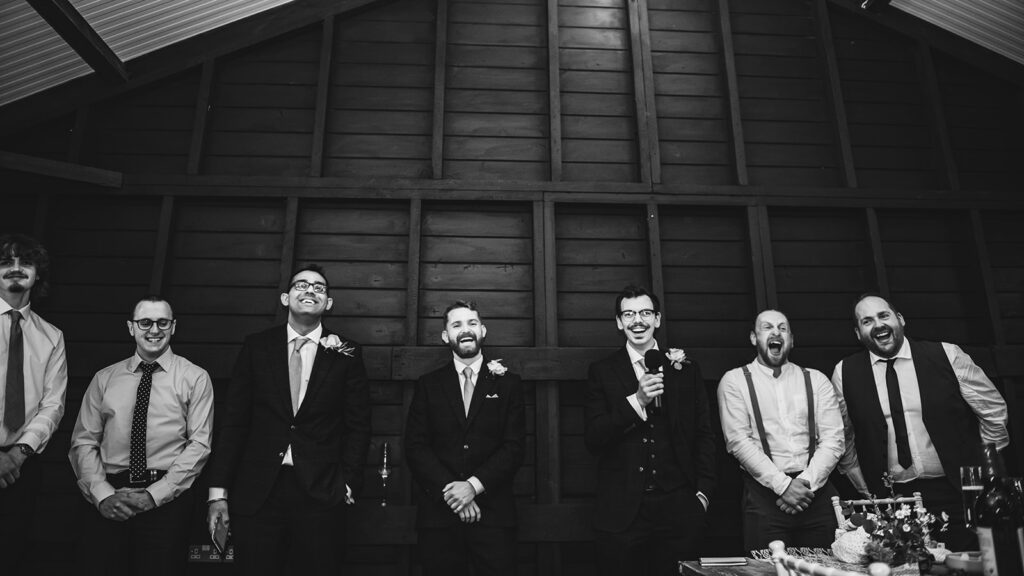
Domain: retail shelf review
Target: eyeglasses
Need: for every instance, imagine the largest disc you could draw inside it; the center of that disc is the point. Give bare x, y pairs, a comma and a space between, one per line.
147, 323
629, 315
302, 286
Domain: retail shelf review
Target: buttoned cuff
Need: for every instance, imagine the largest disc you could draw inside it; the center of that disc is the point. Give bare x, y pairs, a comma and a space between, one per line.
101, 491
780, 484
475, 483
161, 492
30, 439
635, 403
216, 494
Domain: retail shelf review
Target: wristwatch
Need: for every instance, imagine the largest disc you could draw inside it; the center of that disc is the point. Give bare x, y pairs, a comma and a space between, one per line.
26, 450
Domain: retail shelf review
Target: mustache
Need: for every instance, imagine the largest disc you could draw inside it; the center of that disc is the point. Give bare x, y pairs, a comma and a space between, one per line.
15, 274
465, 334
877, 331
643, 325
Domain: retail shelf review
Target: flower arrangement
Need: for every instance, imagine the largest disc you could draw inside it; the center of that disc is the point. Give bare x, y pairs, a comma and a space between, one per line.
335, 344
496, 368
676, 357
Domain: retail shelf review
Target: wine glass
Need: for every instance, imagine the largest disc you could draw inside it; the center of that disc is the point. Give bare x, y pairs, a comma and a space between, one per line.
384, 471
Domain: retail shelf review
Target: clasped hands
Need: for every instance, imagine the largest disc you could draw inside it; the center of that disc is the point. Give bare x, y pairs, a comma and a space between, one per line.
10, 467
126, 503
459, 496
651, 386
797, 497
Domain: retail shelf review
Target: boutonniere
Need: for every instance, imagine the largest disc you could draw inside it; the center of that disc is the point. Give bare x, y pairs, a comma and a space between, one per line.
496, 368
677, 358
335, 344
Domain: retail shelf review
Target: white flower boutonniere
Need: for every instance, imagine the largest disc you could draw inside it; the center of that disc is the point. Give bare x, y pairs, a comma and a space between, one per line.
677, 358
496, 368
335, 344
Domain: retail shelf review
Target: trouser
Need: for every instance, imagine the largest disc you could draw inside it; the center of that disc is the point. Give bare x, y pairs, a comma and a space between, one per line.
17, 514
764, 521
449, 551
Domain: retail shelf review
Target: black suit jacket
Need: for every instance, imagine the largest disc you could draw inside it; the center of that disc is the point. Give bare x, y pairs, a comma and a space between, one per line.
329, 435
442, 444
613, 435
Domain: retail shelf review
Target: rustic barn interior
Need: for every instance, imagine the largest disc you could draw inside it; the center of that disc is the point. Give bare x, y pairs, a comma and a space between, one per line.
536, 156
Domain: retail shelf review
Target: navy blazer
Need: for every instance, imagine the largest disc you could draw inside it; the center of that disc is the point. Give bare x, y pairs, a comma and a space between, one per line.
443, 444
329, 435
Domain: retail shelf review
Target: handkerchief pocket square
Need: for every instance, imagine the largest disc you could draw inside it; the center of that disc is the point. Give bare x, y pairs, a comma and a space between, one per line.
491, 396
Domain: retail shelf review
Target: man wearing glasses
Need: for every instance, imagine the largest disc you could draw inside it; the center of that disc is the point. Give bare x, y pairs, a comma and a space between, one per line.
33, 379
655, 458
141, 439
294, 440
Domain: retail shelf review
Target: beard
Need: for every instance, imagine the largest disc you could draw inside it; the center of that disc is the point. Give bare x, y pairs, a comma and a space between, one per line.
465, 349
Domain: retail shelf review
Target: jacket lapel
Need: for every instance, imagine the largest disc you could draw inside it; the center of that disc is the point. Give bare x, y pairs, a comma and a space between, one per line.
322, 362
485, 382
624, 369
451, 385
278, 350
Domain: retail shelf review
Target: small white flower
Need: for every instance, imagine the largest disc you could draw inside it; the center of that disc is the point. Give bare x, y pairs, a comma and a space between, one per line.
496, 368
335, 344
677, 357
906, 527
902, 513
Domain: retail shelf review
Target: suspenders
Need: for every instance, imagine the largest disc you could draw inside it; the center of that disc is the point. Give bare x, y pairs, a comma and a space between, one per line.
812, 426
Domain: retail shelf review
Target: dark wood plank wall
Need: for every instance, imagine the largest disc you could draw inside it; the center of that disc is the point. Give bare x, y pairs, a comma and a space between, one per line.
538, 179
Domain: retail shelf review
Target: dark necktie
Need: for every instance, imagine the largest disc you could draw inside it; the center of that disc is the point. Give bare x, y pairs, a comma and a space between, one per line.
137, 449
14, 392
899, 420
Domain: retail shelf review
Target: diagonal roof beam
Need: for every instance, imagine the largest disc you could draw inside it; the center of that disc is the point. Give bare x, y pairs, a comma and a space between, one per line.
175, 58
63, 170
940, 39
73, 28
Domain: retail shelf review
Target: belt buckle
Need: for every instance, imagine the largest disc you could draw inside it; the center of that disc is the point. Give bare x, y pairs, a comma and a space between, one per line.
148, 477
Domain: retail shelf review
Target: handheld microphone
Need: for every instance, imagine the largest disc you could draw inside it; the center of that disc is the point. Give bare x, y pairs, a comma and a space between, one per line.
653, 361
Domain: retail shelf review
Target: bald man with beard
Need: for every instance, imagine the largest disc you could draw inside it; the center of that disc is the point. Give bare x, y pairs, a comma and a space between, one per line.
783, 424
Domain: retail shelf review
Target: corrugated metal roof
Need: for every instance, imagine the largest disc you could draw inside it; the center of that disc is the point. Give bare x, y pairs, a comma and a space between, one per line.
33, 57
995, 24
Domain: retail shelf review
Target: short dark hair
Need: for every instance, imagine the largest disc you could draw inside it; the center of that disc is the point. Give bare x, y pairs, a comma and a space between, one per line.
468, 304
151, 298
633, 291
30, 250
864, 295
309, 268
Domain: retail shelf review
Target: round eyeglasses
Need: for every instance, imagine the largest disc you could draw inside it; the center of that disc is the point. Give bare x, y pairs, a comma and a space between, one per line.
147, 323
302, 286
629, 315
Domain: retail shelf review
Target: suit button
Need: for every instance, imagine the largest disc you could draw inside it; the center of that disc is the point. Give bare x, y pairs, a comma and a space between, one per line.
292, 427
465, 446
281, 455
644, 440
641, 468
653, 472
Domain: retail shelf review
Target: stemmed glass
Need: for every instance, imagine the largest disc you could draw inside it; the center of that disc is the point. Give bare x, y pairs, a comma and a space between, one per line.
384, 471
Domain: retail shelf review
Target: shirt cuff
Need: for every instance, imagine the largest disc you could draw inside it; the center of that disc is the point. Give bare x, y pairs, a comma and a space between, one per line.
475, 482
216, 494
30, 439
703, 500
635, 403
161, 492
101, 491
781, 484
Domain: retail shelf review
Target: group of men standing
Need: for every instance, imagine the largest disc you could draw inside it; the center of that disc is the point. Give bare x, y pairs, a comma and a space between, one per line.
295, 433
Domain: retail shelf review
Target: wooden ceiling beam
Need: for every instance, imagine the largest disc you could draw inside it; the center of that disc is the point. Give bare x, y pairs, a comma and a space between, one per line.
62, 170
174, 59
83, 39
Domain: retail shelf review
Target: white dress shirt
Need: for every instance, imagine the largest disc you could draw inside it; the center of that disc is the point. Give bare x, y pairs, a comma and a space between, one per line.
783, 404
977, 390
475, 366
308, 354
46, 378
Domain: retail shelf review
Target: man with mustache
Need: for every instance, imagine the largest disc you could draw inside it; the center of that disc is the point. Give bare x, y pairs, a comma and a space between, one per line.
33, 380
655, 465
141, 440
464, 442
917, 411
782, 423
293, 445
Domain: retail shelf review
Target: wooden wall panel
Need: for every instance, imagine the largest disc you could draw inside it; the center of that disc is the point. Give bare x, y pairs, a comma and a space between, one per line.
48, 140
780, 90
690, 92
1006, 252
888, 120
379, 121
262, 101
596, 73
496, 99
985, 117
18, 213
929, 262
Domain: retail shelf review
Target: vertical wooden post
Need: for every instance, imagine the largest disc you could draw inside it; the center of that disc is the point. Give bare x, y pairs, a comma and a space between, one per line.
639, 97
163, 236
842, 128
323, 92
767, 258
756, 257
548, 415
653, 220
933, 99
440, 68
554, 94
733, 90
984, 268
412, 285
877, 254
288, 235
195, 151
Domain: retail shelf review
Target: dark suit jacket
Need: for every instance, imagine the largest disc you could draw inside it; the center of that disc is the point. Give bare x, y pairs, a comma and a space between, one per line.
442, 444
329, 435
613, 435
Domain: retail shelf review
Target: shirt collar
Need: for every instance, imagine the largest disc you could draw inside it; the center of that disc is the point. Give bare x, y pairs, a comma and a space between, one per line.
767, 370
475, 366
164, 361
904, 353
314, 335
635, 356
25, 312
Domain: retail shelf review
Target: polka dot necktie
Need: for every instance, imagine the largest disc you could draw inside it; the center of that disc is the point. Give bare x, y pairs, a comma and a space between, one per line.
137, 451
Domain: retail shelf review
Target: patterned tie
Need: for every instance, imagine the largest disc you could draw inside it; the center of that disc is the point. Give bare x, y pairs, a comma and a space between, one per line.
14, 392
137, 448
467, 387
13, 413
295, 372
899, 421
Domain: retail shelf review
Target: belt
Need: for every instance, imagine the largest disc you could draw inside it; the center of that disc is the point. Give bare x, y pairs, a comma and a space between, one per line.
123, 479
